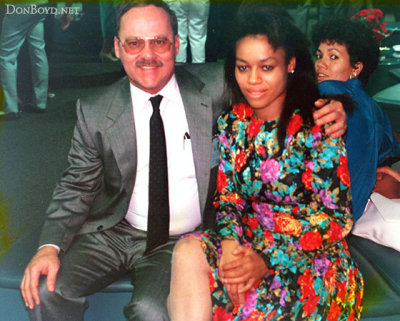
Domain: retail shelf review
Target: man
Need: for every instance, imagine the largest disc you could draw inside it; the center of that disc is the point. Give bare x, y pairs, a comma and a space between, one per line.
97, 224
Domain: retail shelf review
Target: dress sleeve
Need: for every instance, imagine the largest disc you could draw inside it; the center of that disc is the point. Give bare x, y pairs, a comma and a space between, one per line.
323, 217
227, 200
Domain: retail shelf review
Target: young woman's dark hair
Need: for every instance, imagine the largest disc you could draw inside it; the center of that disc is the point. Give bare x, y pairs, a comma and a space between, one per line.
274, 22
358, 39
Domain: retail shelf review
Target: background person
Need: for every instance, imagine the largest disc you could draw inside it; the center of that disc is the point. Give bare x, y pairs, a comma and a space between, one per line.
192, 18
283, 203
16, 29
347, 54
107, 23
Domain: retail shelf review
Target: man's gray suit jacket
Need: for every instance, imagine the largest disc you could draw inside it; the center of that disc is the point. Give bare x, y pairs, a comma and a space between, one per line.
94, 192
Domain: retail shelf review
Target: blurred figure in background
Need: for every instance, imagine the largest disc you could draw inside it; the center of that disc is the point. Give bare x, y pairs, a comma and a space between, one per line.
107, 23
192, 18
17, 28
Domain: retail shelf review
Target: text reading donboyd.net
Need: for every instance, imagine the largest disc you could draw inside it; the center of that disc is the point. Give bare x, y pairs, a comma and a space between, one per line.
40, 9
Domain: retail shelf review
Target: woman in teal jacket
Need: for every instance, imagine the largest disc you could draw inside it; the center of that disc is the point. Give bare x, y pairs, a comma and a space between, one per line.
347, 54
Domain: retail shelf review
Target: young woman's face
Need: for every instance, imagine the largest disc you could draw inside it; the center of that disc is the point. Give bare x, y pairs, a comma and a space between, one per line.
333, 62
261, 73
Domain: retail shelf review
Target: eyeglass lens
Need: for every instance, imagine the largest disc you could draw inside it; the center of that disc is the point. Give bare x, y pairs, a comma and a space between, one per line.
136, 45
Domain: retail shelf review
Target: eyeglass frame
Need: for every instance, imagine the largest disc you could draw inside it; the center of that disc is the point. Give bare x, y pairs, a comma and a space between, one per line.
171, 42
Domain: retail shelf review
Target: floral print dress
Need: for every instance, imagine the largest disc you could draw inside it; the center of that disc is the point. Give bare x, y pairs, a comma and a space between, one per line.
294, 210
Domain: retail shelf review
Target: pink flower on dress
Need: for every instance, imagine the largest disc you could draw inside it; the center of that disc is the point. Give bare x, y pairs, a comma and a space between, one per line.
270, 170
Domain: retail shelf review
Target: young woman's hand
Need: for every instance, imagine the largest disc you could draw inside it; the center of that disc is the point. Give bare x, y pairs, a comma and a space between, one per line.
228, 248
245, 270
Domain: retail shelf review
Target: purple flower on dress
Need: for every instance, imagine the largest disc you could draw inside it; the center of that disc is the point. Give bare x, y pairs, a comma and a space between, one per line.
263, 208
282, 299
266, 222
316, 138
327, 199
321, 264
309, 165
249, 305
239, 230
288, 139
223, 140
264, 215
223, 215
221, 164
272, 197
289, 200
270, 170
276, 284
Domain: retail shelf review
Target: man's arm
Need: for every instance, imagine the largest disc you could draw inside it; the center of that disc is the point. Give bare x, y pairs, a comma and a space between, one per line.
331, 111
77, 188
67, 211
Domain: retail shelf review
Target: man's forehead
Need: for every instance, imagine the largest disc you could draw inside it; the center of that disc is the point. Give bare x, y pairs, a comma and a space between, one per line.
146, 21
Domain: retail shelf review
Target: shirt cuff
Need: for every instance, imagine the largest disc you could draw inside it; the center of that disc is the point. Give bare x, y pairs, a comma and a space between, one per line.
55, 246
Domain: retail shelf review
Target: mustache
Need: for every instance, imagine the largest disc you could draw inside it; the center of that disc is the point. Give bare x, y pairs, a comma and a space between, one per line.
149, 63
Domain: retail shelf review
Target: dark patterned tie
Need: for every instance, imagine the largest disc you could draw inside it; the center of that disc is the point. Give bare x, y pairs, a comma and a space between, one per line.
158, 218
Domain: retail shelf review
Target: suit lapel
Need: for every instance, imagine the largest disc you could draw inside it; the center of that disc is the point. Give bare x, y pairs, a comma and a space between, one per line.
122, 135
198, 108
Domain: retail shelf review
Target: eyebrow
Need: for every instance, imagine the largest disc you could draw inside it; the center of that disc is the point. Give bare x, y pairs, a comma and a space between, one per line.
262, 60
331, 49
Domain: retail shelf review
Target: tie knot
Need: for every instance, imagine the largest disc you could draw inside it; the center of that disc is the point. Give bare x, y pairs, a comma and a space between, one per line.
155, 102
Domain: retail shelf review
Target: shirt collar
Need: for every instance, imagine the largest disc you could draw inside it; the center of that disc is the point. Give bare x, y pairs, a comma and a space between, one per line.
170, 91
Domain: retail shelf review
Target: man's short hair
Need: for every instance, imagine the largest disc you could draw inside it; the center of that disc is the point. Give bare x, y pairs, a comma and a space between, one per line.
126, 6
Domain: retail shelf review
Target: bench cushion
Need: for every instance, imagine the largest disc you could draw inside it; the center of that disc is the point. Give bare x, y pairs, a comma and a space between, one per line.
378, 264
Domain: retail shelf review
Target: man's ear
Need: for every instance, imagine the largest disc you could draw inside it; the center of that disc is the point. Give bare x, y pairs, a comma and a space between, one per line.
117, 48
176, 44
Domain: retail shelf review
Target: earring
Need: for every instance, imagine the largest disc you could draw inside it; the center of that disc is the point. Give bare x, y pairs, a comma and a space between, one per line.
353, 75
292, 71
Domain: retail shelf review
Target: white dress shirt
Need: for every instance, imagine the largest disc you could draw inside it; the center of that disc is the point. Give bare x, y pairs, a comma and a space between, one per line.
184, 202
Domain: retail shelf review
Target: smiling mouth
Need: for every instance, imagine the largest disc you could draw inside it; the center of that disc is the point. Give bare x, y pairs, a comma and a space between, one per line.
321, 76
149, 64
255, 93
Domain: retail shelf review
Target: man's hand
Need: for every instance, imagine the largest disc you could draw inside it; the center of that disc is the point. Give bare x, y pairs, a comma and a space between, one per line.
246, 270
331, 112
45, 262
228, 247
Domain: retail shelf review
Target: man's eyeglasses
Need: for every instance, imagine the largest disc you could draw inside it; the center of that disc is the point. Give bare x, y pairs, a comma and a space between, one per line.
135, 45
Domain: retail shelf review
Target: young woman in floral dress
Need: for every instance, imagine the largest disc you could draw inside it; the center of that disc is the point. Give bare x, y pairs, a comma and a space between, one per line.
283, 202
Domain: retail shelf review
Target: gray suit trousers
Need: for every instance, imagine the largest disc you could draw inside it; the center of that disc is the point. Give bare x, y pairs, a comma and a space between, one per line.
97, 259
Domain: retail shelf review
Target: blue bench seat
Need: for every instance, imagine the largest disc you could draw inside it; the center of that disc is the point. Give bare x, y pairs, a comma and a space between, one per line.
379, 265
